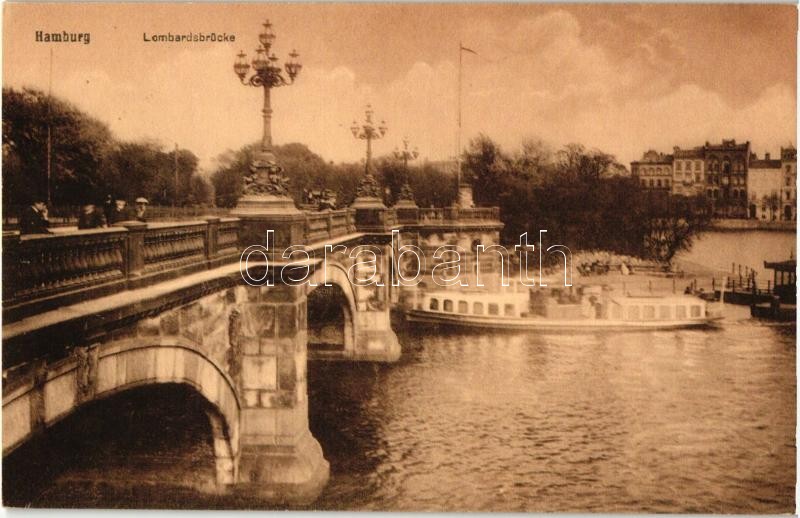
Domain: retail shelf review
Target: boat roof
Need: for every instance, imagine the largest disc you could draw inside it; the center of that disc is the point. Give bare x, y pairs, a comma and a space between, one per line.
782, 266
655, 299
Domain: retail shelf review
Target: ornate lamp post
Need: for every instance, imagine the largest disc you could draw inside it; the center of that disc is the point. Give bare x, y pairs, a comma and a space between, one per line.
406, 194
265, 175
368, 189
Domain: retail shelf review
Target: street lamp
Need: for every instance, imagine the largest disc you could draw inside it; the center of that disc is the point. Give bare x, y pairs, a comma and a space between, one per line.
405, 155
264, 175
368, 188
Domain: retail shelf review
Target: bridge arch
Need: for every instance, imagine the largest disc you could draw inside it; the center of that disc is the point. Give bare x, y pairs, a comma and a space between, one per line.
56, 391
330, 282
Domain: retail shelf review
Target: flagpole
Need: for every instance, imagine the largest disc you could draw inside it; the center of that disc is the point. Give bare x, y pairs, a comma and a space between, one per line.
458, 134
49, 130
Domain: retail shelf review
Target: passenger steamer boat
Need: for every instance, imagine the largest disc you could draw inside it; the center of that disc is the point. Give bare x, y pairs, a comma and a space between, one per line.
591, 310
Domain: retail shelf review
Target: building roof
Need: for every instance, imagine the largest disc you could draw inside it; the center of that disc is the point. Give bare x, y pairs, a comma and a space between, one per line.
727, 145
696, 152
765, 164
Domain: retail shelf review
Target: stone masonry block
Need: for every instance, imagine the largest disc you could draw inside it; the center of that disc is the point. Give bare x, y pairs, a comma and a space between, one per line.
287, 320
259, 372
287, 373
149, 327
170, 323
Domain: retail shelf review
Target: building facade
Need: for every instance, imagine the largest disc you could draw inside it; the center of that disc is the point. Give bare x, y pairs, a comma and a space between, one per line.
738, 183
654, 171
688, 172
764, 186
726, 177
789, 185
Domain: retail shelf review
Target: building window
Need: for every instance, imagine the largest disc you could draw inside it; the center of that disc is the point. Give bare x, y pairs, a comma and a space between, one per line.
463, 307
688, 166
509, 310
448, 306
788, 182
696, 177
697, 165
434, 304
477, 308
666, 183
649, 313
494, 309
658, 183
678, 165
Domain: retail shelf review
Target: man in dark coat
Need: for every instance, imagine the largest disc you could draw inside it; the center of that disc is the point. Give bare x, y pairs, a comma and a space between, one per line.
33, 219
91, 217
120, 212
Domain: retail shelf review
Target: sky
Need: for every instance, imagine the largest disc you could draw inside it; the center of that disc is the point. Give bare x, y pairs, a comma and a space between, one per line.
620, 78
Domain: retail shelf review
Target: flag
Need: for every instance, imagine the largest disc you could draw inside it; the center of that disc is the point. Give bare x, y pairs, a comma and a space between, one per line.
468, 50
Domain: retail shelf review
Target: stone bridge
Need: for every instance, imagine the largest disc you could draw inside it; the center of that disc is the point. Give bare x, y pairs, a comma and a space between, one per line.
90, 314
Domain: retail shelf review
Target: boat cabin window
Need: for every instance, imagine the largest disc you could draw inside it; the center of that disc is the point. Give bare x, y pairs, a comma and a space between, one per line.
509, 310
494, 309
448, 305
649, 313
463, 307
680, 312
633, 312
434, 304
695, 311
664, 312
616, 312
477, 308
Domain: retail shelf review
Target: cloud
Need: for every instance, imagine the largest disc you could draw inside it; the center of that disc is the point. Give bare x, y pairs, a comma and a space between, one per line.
542, 77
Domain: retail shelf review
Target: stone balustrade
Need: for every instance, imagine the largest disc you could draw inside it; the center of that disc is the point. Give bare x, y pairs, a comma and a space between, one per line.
45, 271
41, 266
173, 245
322, 226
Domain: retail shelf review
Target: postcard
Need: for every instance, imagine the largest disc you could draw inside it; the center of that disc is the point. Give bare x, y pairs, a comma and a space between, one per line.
449, 257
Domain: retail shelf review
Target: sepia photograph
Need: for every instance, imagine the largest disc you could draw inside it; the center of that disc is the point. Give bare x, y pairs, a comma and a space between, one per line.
409, 257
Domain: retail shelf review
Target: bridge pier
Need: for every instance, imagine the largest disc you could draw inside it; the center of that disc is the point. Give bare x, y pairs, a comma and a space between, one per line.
280, 459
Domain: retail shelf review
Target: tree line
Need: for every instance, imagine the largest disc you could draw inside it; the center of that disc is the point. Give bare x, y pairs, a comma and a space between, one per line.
584, 198
87, 161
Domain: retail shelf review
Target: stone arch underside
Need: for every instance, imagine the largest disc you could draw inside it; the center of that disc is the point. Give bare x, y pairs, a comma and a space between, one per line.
49, 395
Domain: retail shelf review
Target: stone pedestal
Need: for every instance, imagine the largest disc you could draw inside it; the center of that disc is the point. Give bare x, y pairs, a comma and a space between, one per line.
371, 214
262, 212
280, 459
465, 200
407, 211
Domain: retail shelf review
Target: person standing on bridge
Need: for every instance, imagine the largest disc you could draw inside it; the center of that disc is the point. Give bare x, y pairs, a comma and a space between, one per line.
33, 219
91, 217
120, 212
141, 208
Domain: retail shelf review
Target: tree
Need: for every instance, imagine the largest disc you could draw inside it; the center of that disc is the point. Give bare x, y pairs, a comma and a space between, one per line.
88, 162
79, 146
672, 224
485, 165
